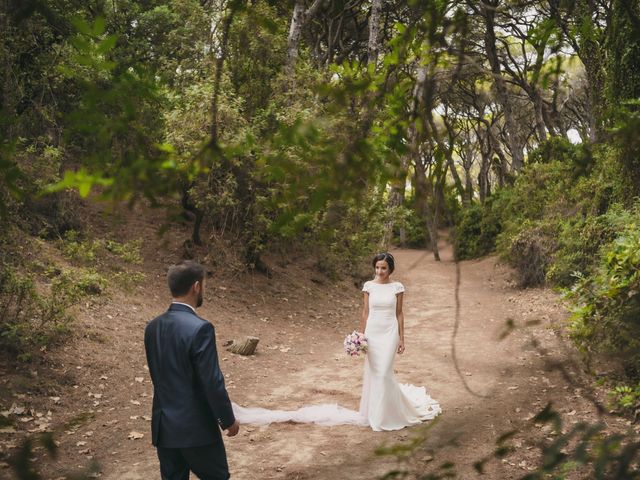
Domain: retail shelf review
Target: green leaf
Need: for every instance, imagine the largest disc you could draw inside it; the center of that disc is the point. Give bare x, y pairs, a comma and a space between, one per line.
107, 44
98, 26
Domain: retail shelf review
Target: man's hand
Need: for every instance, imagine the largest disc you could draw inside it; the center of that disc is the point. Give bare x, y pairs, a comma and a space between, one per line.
232, 431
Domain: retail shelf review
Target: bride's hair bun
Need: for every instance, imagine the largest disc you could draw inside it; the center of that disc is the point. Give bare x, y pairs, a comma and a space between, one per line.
387, 257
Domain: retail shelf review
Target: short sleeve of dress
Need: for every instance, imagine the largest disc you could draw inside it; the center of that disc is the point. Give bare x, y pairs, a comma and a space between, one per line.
366, 287
399, 288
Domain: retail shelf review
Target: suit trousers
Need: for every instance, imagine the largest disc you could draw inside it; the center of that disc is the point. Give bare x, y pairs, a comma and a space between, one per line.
207, 463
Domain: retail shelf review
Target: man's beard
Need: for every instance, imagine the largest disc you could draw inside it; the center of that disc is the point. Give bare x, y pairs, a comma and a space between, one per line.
200, 300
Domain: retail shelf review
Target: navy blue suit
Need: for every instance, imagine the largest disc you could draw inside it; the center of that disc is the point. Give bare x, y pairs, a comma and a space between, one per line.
190, 401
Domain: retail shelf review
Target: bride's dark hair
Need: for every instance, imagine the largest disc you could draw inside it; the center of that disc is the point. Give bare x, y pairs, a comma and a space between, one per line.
387, 257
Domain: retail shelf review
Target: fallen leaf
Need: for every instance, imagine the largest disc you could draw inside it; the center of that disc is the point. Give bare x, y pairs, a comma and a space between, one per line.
139, 379
17, 410
135, 435
134, 402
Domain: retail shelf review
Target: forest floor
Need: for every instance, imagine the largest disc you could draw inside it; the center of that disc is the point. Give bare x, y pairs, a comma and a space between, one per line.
95, 392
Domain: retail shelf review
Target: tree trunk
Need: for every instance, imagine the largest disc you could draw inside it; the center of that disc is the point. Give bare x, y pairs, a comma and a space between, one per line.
396, 196
421, 191
374, 32
483, 178
293, 40
245, 347
541, 131
433, 211
457, 181
501, 164
299, 18
589, 46
213, 145
396, 199
488, 9
468, 194
485, 168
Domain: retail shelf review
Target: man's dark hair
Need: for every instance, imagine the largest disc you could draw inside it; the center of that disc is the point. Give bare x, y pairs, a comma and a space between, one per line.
182, 276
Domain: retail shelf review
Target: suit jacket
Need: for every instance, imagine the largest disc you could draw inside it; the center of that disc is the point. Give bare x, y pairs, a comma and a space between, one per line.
189, 396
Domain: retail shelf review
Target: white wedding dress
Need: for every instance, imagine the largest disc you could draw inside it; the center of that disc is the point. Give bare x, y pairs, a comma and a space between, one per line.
385, 404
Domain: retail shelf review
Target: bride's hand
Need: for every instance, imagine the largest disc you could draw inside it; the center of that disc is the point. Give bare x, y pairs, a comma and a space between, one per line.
401, 347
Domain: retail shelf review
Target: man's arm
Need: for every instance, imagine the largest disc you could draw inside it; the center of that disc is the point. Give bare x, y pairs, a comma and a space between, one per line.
205, 360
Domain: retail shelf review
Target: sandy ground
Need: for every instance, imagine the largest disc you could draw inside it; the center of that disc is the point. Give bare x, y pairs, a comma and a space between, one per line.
492, 386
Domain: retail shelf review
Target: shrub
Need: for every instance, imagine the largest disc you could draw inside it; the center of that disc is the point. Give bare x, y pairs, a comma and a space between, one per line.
94, 251
579, 240
626, 398
79, 250
31, 316
416, 234
530, 252
129, 251
538, 194
606, 318
477, 227
560, 149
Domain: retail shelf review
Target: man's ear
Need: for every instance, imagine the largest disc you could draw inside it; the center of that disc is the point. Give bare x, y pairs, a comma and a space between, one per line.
197, 286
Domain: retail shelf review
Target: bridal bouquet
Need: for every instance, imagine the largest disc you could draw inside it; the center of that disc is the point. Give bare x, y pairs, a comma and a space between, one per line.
355, 343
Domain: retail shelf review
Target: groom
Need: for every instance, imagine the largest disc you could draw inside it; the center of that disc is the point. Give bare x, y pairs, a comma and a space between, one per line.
190, 401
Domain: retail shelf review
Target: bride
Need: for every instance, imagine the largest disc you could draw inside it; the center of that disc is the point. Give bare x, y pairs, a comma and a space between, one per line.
385, 404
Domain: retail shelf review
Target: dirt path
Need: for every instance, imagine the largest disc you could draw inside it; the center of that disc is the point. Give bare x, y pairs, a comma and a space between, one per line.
104, 391
510, 381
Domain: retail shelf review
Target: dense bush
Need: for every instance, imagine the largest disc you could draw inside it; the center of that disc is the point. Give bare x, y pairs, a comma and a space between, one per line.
515, 221
562, 150
477, 227
411, 229
550, 224
607, 316
579, 240
530, 252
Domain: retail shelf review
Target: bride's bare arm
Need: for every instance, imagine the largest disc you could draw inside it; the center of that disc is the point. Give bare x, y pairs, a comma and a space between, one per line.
400, 317
365, 312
